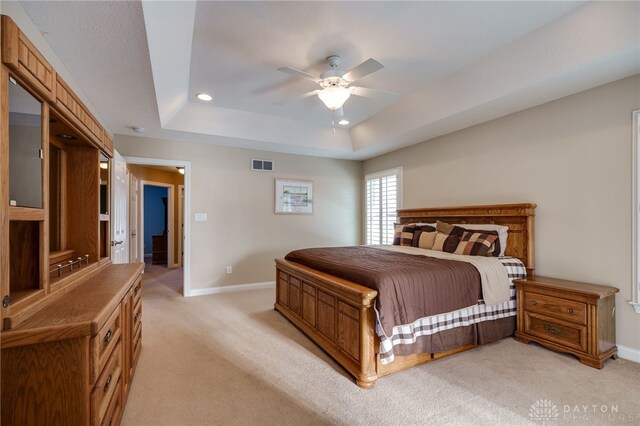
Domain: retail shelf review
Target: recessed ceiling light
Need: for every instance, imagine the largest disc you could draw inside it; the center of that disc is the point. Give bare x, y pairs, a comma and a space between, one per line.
204, 97
343, 122
138, 129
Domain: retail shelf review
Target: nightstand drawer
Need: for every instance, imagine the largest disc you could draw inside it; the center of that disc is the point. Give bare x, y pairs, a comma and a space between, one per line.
557, 331
556, 307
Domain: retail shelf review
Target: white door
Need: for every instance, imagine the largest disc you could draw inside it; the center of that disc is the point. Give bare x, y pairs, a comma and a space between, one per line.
119, 212
134, 193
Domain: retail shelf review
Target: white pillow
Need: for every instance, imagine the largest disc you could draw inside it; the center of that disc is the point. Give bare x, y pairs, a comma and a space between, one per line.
503, 232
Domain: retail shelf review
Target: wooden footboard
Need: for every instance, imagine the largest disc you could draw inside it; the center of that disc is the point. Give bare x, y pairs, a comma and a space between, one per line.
336, 314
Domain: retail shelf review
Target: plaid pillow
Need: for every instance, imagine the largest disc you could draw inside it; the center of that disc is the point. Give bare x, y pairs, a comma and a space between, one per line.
403, 235
425, 239
447, 238
476, 243
494, 250
418, 230
444, 242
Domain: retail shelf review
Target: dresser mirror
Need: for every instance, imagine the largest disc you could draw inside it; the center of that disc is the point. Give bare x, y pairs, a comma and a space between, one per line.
25, 148
104, 184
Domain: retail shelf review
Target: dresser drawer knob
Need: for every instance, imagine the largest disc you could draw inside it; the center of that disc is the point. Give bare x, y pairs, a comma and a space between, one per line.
552, 329
107, 384
107, 337
533, 302
570, 310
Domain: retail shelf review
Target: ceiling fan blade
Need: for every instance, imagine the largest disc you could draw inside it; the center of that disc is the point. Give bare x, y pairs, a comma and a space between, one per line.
364, 69
371, 93
300, 74
297, 98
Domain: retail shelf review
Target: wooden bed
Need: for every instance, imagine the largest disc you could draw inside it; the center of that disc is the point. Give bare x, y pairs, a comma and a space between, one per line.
338, 315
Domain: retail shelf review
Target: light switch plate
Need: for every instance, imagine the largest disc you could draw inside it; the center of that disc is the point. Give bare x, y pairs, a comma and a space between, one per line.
201, 217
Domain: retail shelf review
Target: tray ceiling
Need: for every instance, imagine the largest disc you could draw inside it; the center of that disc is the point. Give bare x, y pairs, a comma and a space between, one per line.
453, 64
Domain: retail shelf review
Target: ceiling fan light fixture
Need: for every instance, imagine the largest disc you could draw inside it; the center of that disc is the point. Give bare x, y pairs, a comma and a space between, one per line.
334, 96
343, 122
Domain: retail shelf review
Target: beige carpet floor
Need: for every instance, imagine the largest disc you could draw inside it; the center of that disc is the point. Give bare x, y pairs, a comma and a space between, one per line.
230, 359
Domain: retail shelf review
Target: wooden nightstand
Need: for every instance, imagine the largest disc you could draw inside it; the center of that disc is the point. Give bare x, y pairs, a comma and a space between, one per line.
568, 316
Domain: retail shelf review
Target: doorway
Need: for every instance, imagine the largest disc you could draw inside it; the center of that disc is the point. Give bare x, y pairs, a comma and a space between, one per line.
178, 195
156, 223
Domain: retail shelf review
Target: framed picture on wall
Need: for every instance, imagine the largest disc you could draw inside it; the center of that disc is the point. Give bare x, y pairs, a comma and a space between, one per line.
294, 196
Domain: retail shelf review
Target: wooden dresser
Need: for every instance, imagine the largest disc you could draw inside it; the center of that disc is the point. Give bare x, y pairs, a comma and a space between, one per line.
568, 316
70, 332
72, 363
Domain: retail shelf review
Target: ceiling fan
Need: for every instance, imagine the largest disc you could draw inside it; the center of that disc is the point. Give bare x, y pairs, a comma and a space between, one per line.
336, 85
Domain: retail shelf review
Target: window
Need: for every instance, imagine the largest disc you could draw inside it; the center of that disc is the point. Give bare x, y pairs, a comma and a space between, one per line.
636, 212
383, 193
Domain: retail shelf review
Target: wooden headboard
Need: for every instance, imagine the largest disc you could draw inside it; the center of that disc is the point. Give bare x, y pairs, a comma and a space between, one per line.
518, 217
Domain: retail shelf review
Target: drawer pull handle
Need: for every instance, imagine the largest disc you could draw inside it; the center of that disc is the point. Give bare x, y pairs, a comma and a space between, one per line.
552, 329
533, 302
107, 384
107, 337
570, 310
137, 289
135, 318
110, 421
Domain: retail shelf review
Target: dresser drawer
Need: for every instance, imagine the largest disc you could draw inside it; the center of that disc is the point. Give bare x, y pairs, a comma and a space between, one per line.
136, 347
114, 411
104, 342
556, 307
137, 291
137, 336
106, 388
557, 331
137, 315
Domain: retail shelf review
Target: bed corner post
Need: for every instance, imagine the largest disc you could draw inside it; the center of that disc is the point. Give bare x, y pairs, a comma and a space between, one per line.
367, 375
531, 215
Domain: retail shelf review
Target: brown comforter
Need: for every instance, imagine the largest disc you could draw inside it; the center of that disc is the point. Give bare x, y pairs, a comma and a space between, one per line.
409, 287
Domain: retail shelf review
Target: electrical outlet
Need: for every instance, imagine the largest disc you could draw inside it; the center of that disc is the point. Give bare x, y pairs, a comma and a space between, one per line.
229, 270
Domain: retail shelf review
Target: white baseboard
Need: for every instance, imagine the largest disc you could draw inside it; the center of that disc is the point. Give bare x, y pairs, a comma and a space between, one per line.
629, 353
231, 288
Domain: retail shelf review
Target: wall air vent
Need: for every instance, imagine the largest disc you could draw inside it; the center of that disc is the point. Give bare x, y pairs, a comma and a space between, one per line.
262, 165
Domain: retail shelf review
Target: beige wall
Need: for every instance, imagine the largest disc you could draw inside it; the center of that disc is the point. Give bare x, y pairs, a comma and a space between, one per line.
242, 230
572, 157
171, 178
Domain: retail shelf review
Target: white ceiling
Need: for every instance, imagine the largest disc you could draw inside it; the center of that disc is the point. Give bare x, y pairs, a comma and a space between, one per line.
453, 64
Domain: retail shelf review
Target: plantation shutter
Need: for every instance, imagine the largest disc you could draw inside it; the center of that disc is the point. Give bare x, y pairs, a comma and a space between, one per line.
383, 192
